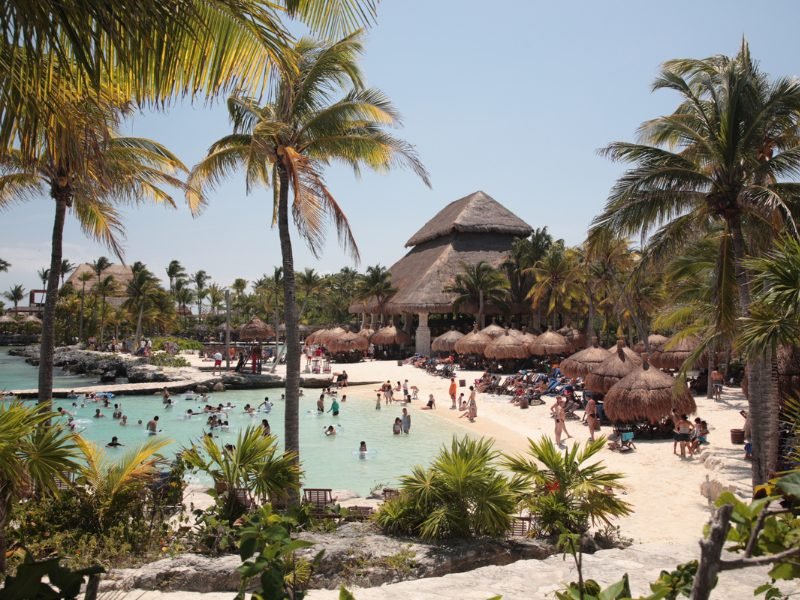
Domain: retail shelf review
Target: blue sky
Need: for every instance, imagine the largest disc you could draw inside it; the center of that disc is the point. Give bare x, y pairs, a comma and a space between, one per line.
512, 98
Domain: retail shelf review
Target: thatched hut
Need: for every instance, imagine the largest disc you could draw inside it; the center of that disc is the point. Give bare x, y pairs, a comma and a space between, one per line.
255, 330
523, 334
347, 342
386, 336
494, 330
312, 337
447, 341
324, 338
366, 332
549, 343
582, 362
656, 341
674, 353
575, 337
621, 362
470, 230
647, 393
506, 347
7, 320
473, 343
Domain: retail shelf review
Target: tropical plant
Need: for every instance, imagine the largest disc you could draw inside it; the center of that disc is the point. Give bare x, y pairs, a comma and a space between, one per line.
184, 296
567, 494
252, 466
31, 457
66, 268
175, 271
84, 278
309, 283
15, 294
462, 494
200, 278
4, 265
525, 253
287, 142
105, 287
43, 274
141, 291
720, 158
216, 298
478, 285
376, 283
557, 280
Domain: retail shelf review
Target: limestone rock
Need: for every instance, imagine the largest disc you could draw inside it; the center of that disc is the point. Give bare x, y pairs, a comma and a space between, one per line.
219, 387
146, 374
188, 572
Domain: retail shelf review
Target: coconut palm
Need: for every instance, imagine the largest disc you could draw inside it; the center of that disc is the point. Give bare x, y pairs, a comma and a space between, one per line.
376, 284
272, 294
557, 280
200, 278
721, 158
525, 253
310, 284
99, 266
567, 494
106, 287
141, 293
84, 278
175, 271
216, 297
31, 457
66, 268
15, 294
253, 465
43, 274
184, 296
4, 265
288, 141
478, 285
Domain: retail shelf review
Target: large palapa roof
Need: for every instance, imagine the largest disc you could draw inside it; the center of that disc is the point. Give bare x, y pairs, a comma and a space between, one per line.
470, 230
122, 275
476, 213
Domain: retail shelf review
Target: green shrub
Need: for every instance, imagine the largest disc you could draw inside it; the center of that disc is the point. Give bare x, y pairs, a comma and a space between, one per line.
162, 359
182, 343
462, 494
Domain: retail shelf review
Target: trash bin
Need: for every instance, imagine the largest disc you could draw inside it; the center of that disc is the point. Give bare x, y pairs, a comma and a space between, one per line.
737, 436
399, 363
462, 383
523, 402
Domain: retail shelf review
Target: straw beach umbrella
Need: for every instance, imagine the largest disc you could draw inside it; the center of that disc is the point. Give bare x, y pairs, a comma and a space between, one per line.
390, 334
621, 362
575, 337
255, 329
582, 362
647, 393
447, 341
494, 330
524, 334
675, 352
366, 332
7, 320
347, 342
656, 341
506, 347
312, 337
472, 343
324, 338
548, 344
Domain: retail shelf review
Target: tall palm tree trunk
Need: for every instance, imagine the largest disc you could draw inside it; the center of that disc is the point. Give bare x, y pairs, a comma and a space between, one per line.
762, 390
47, 344
80, 322
5, 510
590, 320
139, 324
291, 422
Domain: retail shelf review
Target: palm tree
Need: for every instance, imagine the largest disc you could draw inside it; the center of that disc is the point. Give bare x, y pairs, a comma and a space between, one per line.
43, 274
287, 142
376, 284
310, 283
719, 158
98, 267
31, 457
84, 277
216, 296
200, 278
557, 280
525, 252
4, 265
478, 286
66, 268
140, 290
104, 288
15, 294
158, 51
184, 296
175, 271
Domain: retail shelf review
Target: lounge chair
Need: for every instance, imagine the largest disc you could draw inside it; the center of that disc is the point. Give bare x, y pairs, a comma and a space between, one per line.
520, 527
320, 500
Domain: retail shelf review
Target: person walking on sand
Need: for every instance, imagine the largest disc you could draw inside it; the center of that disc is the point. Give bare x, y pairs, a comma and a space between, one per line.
472, 406
452, 391
557, 411
683, 430
591, 418
717, 379
217, 363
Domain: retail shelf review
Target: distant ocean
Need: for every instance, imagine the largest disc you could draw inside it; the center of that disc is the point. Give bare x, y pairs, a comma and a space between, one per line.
16, 374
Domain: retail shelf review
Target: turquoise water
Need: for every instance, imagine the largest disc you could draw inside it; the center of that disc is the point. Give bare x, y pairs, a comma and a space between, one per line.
16, 374
327, 461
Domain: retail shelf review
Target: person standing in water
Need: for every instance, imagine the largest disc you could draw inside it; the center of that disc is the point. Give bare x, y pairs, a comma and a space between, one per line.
321, 403
406, 420
362, 450
152, 426
334, 408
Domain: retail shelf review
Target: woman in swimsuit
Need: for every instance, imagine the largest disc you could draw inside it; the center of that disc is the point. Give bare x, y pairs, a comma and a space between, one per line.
683, 430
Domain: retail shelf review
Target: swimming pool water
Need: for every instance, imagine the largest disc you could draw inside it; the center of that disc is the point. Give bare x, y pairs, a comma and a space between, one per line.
328, 461
16, 374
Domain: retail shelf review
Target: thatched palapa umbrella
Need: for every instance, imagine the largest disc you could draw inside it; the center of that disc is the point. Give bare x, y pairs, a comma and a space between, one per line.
494, 330
366, 332
647, 393
472, 343
575, 337
256, 330
8, 320
389, 335
581, 363
506, 347
656, 341
314, 336
524, 334
347, 342
612, 369
447, 341
324, 338
32, 320
549, 343
675, 352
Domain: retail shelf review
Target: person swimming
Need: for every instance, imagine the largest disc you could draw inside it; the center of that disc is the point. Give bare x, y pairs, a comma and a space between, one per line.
114, 443
362, 450
152, 426
330, 430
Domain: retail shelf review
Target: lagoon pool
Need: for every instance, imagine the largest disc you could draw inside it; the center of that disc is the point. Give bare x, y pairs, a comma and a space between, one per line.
16, 374
327, 461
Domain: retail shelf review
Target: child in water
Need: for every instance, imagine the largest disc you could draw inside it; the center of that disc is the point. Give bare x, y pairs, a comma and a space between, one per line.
378, 403
397, 428
362, 450
330, 430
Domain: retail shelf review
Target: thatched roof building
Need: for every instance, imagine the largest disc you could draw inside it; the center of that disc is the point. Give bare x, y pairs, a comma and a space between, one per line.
470, 230
122, 275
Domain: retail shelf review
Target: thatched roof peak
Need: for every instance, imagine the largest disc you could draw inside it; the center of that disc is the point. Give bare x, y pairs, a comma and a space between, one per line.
476, 213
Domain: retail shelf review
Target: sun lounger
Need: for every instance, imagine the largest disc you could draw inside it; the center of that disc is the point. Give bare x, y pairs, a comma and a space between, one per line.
320, 500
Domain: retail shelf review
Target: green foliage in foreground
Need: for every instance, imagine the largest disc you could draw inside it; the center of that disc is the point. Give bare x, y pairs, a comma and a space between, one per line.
162, 359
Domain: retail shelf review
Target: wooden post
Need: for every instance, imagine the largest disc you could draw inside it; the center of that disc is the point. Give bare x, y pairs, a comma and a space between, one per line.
711, 553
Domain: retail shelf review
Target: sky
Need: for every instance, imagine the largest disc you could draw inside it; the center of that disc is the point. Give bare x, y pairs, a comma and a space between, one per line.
513, 98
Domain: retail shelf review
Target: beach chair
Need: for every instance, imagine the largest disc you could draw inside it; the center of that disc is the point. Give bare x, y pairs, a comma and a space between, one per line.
390, 494
244, 498
320, 500
520, 527
626, 441
358, 513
